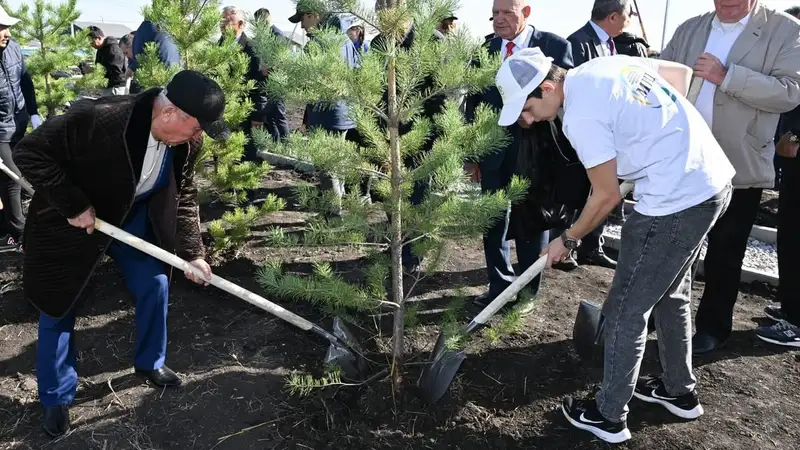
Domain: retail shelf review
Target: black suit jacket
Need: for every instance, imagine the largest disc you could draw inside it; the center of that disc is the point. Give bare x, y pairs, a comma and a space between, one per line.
551, 45
586, 45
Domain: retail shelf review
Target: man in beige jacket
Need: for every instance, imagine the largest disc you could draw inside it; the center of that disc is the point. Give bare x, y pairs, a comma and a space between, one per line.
746, 59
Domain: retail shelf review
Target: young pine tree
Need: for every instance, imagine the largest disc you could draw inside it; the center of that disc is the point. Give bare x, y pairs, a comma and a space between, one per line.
387, 94
194, 25
47, 25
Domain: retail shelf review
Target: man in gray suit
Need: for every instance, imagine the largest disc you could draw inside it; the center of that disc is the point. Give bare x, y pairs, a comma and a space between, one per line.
746, 61
593, 40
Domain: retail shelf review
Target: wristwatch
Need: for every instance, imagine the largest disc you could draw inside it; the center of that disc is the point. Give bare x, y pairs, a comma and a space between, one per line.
793, 138
570, 243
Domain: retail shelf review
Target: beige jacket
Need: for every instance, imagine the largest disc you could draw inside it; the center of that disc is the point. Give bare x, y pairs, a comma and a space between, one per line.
763, 81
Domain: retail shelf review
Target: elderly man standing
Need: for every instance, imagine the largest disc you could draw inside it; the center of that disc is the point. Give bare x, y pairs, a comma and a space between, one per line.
494, 172
746, 61
128, 161
233, 21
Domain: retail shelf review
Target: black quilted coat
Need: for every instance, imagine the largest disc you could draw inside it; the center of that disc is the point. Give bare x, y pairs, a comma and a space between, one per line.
559, 185
93, 156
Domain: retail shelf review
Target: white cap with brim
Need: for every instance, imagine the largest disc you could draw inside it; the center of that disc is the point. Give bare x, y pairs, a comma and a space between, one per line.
6, 20
519, 75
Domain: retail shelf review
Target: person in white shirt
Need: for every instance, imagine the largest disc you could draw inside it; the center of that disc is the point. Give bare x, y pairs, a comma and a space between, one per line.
627, 118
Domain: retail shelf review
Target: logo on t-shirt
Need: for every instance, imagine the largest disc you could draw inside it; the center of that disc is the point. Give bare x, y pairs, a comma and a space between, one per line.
643, 88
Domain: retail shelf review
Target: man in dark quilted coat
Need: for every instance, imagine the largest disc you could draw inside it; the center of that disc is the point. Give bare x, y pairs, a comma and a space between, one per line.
128, 160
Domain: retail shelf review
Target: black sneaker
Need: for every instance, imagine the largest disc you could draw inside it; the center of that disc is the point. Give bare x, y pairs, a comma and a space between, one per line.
775, 313
583, 414
782, 333
8, 243
651, 390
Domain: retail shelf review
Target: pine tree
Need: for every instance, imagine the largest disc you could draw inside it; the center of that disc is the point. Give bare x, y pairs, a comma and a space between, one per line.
47, 25
193, 25
383, 93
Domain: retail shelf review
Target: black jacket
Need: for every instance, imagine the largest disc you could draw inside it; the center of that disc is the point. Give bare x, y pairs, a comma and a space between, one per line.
559, 185
631, 45
586, 45
17, 96
257, 95
110, 56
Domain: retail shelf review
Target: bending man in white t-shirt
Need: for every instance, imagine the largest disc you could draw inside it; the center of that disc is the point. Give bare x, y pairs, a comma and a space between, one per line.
628, 118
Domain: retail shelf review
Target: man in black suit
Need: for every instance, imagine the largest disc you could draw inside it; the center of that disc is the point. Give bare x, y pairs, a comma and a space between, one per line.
593, 40
233, 20
512, 33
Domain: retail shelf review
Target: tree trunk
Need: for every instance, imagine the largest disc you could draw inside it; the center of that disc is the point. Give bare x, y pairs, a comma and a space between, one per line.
396, 221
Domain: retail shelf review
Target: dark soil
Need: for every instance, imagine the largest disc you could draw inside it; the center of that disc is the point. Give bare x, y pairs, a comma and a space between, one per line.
234, 359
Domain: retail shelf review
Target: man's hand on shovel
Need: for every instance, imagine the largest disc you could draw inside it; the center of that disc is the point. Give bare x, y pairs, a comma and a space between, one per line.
85, 220
204, 267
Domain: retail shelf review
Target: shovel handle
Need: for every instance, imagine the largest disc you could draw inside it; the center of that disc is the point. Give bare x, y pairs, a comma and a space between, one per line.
219, 282
179, 263
510, 292
535, 269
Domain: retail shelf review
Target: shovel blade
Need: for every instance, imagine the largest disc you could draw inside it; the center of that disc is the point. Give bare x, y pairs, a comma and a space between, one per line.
438, 374
587, 336
345, 354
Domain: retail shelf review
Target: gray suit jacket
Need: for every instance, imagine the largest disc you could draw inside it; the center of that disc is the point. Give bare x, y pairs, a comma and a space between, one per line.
763, 81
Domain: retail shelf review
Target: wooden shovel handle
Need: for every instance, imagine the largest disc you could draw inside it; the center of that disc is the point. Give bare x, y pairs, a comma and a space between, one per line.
179, 263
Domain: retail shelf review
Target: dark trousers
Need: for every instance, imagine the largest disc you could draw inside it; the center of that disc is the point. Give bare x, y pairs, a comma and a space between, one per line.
496, 248
275, 120
13, 220
250, 148
789, 240
417, 196
727, 243
147, 281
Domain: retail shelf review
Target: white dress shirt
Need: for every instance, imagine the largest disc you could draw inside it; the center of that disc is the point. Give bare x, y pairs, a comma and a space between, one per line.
604, 38
521, 41
152, 165
720, 42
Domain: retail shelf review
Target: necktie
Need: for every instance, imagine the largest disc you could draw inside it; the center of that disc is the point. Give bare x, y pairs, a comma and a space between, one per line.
510, 49
612, 47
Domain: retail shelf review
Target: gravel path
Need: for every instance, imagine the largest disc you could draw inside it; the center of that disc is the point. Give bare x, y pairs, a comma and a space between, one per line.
760, 255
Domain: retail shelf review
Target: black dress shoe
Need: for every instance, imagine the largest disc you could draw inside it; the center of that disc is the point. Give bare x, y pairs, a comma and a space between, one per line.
162, 377
56, 420
597, 257
705, 343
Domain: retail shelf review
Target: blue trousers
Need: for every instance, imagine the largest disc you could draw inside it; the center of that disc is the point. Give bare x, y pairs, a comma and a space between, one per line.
497, 249
147, 281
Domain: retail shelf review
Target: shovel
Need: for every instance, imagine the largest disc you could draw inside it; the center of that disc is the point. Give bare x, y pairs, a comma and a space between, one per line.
587, 332
343, 350
444, 363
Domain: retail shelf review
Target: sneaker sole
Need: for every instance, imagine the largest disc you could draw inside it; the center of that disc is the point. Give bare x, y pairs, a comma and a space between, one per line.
776, 342
614, 438
690, 414
775, 317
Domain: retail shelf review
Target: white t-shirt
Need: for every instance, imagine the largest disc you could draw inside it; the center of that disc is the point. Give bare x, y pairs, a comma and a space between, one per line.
620, 107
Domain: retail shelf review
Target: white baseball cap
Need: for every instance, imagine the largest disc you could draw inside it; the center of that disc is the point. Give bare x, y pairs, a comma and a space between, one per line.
520, 75
6, 20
